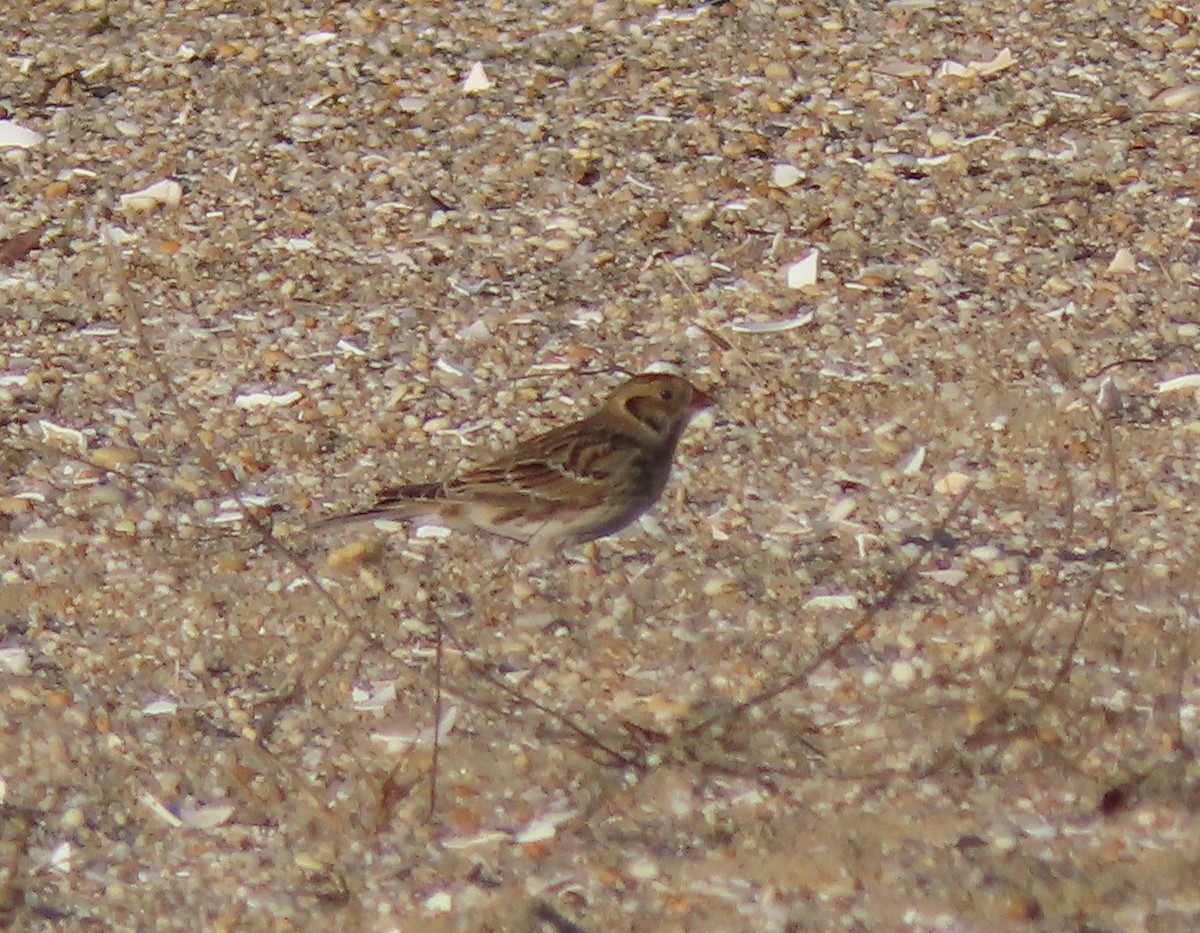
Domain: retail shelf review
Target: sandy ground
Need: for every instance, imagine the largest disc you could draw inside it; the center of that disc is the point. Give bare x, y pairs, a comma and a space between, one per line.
909, 643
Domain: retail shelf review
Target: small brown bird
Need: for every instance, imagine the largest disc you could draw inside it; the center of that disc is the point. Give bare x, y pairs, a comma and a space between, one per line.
575, 483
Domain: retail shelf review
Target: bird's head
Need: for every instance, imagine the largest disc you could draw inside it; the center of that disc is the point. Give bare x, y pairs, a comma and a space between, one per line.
660, 403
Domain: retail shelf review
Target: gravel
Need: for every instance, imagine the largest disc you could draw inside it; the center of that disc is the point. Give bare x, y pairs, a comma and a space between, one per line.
908, 643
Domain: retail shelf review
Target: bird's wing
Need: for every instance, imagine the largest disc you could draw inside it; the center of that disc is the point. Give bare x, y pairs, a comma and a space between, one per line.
576, 463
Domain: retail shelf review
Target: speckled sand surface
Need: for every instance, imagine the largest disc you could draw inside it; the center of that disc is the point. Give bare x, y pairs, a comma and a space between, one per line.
370, 272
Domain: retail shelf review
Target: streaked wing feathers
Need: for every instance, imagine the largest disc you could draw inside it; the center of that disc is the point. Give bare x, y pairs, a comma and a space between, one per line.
573, 465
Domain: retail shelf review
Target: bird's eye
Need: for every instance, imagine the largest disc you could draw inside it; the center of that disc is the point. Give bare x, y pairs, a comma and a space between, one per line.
666, 394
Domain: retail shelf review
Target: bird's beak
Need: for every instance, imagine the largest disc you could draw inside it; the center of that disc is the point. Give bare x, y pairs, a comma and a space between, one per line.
701, 401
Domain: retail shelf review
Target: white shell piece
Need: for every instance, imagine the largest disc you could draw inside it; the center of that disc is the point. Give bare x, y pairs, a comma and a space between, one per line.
168, 192
15, 136
477, 80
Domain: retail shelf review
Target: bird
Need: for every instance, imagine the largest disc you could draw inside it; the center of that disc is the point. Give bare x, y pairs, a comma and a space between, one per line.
572, 484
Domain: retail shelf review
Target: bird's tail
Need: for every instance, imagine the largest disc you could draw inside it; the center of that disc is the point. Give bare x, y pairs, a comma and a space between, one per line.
394, 494
396, 503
